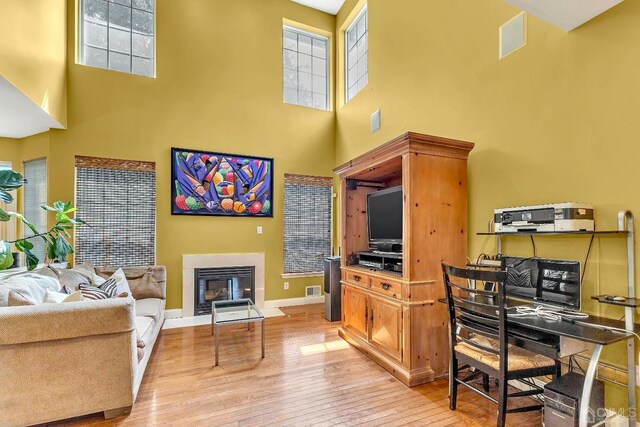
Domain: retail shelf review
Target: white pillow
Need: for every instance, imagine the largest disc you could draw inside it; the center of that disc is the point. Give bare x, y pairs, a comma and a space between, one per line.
122, 285
57, 297
31, 285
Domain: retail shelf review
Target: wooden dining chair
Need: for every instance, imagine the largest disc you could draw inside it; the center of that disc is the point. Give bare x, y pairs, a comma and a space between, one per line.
479, 338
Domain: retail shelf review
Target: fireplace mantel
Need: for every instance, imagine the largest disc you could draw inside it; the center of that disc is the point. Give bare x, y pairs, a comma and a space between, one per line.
192, 261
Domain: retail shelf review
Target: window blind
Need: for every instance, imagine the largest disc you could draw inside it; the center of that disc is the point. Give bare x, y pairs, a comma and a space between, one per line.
117, 198
34, 195
307, 222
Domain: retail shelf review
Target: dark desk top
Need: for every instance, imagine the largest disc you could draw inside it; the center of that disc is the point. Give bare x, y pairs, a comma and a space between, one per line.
572, 329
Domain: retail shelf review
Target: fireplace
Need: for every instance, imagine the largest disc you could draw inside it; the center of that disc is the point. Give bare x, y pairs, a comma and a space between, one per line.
222, 284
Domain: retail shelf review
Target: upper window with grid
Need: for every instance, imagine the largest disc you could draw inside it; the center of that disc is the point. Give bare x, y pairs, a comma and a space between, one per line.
305, 68
357, 67
118, 35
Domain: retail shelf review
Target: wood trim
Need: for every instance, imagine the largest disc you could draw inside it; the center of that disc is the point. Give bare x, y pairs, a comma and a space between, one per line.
321, 181
409, 142
383, 276
115, 164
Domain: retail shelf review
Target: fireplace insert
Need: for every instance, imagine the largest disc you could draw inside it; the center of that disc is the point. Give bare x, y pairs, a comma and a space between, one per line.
222, 284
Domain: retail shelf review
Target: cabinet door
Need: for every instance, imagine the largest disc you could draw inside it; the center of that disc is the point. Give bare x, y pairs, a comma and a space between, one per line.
386, 325
354, 310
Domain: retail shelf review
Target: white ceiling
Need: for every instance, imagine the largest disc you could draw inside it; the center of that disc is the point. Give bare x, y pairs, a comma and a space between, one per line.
565, 14
19, 116
329, 6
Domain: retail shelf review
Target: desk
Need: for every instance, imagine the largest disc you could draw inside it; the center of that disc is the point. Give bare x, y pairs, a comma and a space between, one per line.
576, 330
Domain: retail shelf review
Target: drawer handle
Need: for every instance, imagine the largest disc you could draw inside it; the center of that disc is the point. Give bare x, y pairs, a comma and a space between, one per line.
386, 286
356, 278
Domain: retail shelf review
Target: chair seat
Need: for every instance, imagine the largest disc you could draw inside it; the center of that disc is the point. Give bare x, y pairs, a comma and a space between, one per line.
519, 358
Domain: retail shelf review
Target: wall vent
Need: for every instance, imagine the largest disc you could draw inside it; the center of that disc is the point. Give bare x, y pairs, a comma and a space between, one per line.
312, 291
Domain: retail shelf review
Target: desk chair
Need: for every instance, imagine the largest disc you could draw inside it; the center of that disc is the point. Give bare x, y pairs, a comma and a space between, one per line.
479, 331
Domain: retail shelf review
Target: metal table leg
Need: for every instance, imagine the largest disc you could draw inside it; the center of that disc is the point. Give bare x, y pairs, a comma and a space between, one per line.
588, 385
217, 334
263, 338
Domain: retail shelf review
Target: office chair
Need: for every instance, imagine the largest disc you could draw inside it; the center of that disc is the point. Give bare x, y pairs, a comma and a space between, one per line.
479, 339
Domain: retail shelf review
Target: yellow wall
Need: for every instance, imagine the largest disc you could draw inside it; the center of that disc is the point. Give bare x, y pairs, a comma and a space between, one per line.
219, 88
33, 52
555, 121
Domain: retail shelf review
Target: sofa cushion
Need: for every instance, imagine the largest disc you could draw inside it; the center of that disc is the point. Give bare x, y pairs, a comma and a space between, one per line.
149, 307
71, 279
59, 297
32, 286
144, 327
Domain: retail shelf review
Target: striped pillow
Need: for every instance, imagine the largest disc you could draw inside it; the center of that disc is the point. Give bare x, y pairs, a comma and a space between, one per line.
107, 290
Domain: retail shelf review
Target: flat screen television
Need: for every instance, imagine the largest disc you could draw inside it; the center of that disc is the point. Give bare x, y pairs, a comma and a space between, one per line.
384, 216
543, 281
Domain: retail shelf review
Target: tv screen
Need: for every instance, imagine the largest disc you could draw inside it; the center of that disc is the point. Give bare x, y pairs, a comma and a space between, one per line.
384, 212
545, 281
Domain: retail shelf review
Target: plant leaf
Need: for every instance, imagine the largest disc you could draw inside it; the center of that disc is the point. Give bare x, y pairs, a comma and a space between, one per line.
6, 258
4, 216
5, 197
10, 180
59, 206
23, 245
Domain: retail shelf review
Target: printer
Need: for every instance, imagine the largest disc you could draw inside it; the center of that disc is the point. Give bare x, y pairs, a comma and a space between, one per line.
545, 218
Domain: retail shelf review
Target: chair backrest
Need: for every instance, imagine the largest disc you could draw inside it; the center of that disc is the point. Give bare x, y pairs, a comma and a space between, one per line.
476, 309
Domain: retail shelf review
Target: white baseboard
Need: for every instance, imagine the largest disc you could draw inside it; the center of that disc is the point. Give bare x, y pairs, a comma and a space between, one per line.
174, 313
289, 302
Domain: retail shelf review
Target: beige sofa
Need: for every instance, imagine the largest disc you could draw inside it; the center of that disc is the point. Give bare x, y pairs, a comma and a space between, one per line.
64, 360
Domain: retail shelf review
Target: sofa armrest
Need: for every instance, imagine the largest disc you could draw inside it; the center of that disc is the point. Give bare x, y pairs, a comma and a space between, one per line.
50, 322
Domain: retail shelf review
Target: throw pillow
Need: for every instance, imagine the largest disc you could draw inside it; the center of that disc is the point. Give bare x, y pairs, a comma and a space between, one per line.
70, 278
141, 280
121, 281
58, 297
107, 290
89, 271
145, 286
33, 286
16, 299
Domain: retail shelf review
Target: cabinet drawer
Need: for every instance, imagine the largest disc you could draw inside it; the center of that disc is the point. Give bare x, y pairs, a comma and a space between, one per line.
357, 278
387, 287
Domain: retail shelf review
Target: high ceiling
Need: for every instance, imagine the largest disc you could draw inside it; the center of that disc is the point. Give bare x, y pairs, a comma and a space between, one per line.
329, 6
19, 116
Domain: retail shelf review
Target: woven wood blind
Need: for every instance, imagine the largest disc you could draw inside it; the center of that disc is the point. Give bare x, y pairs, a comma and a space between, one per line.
117, 198
34, 195
307, 222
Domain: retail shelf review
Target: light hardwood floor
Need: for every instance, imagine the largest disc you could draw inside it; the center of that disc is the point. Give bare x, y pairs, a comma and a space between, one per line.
310, 377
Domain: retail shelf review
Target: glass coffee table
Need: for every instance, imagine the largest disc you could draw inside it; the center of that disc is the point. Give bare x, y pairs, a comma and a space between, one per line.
232, 312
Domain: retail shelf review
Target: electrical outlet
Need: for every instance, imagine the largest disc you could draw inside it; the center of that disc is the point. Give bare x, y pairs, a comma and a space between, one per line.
259, 229
286, 286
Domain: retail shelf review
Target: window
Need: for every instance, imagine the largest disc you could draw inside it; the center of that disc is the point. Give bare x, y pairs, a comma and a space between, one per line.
118, 35
307, 223
305, 68
357, 48
34, 195
8, 228
117, 198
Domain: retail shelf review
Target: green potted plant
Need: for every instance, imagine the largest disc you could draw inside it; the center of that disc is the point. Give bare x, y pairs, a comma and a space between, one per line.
57, 246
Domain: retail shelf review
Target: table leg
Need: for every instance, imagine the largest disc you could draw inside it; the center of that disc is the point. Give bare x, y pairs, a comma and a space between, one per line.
263, 338
588, 384
213, 322
217, 334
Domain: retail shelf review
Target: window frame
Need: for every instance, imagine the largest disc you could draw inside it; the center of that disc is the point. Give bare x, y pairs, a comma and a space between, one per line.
352, 25
81, 37
313, 35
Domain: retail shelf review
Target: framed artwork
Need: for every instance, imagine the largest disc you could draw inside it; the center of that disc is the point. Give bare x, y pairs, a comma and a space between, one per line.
210, 183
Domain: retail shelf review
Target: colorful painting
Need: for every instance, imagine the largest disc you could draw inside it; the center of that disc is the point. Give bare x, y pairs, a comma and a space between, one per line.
206, 183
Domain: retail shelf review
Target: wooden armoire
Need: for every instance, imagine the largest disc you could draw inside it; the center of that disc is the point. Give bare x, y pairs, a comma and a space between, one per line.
395, 318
